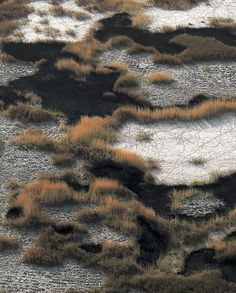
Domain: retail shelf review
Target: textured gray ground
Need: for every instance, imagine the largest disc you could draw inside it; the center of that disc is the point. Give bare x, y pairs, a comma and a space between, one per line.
211, 78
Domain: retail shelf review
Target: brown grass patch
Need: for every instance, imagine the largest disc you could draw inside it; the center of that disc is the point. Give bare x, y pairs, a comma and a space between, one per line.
25, 112
60, 11
8, 242
176, 4
222, 22
69, 64
204, 110
203, 48
160, 77
63, 159
34, 138
91, 128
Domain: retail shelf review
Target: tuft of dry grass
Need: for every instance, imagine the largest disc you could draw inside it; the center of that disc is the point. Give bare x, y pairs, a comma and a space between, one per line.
47, 250
91, 128
103, 186
144, 136
111, 5
60, 11
86, 50
69, 64
166, 59
178, 195
128, 79
8, 242
203, 48
63, 159
25, 112
177, 4
222, 22
159, 77
34, 138
198, 161
204, 110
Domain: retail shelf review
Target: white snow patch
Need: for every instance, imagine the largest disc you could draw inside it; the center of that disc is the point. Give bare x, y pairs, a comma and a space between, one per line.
197, 17
175, 143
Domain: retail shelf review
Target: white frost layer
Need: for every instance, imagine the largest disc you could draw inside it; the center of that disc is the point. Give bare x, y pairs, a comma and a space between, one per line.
198, 16
174, 144
209, 78
63, 24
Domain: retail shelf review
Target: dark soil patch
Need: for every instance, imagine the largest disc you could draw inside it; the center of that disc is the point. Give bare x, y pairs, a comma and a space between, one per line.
231, 236
199, 260
205, 259
8, 97
155, 196
32, 52
152, 195
63, 92
161, 41
224, 188
151, 243
64, 229
14, 213
91, 247
129, 176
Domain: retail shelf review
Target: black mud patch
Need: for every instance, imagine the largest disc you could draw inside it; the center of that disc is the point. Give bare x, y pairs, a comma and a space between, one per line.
231, 236
91, 248
161, 41
32, 52
205, 259
14, 213
152, 195
151, 243
75, 97
129, 176
224, 188
64, 229
155, 196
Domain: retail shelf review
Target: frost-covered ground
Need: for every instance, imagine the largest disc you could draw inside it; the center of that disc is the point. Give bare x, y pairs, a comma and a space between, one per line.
210, 78
198, 16
34, 29
174, 144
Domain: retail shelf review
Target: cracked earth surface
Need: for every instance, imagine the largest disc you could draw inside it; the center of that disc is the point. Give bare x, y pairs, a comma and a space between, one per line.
174, 144
209, 78
198, 16
25, 165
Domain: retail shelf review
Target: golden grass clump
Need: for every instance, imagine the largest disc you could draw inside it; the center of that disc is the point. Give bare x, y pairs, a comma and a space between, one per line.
91, 128
60, 11
43, 192
128, 79
34, 138
8, 242
25, 112
204, 110
69, 64
159, 77
85, 50
130, 159
222, 22
203, 48
176, 4
166, 58
102, 186
111, 5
